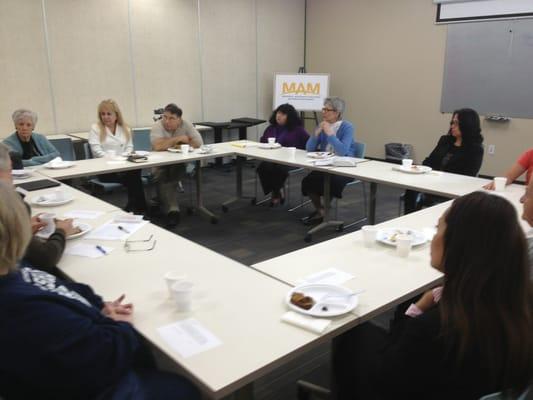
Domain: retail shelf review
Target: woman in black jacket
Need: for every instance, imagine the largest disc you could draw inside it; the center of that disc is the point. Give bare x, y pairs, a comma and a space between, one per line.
460, 151
472, 339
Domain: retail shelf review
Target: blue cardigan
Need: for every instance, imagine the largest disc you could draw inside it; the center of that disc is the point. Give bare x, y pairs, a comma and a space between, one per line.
55, 342
343, 142
47, 149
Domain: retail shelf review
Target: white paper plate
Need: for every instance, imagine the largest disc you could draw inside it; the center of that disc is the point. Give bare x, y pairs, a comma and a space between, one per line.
21, 173
82, 225
173, 150
320, 154
59, 165
142, 153
388, 236
330, 300
48, 200
269, 146
415, 169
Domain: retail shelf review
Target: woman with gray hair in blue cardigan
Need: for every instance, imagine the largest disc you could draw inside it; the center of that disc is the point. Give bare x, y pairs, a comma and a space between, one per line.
335, 135
34, 148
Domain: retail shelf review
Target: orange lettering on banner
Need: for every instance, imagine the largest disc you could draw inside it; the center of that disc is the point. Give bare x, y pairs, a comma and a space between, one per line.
292, 88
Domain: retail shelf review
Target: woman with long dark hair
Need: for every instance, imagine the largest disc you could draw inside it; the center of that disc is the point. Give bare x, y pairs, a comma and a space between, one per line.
476, 339
287, 128
460, 151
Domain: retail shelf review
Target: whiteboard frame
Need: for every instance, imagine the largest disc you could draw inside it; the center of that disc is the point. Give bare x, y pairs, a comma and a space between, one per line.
298, 74
490, 17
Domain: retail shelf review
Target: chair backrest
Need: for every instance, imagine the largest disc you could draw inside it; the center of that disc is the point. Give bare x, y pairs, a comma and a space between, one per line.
65, 148
141, 139
87, 151
359, 149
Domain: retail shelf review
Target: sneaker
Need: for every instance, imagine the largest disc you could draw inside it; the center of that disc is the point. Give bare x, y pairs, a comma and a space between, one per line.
173, 219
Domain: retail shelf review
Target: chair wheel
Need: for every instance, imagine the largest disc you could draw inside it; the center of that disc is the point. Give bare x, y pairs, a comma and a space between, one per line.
253, 201
308, 238
340, 228
225, 209
214, 220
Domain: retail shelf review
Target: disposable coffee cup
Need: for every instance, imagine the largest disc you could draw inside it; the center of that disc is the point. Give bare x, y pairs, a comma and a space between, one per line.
171, 278
185, 149
403, 245
59, 195
499, 184
182, 292
271, 140
369, 235
111, 154
407, 163
49, 220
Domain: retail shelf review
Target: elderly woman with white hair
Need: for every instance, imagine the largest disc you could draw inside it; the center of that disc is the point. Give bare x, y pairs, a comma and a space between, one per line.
335, 135
34, 148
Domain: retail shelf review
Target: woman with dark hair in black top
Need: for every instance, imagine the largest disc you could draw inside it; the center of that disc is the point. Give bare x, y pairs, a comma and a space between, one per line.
460, 151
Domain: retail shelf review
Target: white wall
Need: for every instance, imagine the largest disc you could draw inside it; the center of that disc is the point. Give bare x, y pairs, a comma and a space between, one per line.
216, 59
386, 58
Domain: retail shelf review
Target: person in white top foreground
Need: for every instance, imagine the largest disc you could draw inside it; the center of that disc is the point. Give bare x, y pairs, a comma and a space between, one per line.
112, 136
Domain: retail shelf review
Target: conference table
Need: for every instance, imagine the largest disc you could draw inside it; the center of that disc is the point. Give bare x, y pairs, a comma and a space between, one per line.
238, 305
438, 183
96, 166
242, 306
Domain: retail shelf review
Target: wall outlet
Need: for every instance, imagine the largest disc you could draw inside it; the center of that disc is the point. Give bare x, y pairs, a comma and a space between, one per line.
492, 149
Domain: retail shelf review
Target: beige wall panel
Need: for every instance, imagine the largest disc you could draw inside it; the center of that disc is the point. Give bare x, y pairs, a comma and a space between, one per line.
89, 47
23, 64
280, 45
228, 34
166, 56
386, 59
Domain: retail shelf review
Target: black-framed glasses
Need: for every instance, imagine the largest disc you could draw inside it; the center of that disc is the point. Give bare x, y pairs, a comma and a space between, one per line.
140, 245
324, 109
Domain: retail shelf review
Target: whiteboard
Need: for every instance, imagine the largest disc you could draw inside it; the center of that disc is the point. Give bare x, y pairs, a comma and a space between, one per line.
305, 92
484, 9
489, 67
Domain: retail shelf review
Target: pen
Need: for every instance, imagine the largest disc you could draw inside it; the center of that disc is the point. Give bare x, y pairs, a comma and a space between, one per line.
101, 250
123, 229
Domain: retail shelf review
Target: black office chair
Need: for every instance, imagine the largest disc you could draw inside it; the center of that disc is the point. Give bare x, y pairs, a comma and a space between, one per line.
65, 148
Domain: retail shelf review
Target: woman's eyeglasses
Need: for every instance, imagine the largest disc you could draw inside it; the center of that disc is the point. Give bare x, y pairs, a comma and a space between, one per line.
327, 109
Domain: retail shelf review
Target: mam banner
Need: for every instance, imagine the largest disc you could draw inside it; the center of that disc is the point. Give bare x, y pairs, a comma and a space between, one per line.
306, 92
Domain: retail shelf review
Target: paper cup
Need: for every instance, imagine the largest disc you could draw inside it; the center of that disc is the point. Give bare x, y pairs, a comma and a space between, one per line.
369, 235
403, 245
184, 149
49, 220
171, 278
59, 195
292, 151
111, 154
271, 140
499, 184
183, 295
407, 163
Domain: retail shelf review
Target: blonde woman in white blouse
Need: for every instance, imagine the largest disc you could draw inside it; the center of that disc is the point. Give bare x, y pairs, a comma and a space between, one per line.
111, 133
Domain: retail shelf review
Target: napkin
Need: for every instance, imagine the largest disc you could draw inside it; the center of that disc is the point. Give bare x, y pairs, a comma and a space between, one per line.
315, 325
57, 160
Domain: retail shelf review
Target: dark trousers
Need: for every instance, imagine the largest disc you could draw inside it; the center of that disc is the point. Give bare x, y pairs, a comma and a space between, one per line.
314, 184
272, 176
133, 183
355, 362
414, 201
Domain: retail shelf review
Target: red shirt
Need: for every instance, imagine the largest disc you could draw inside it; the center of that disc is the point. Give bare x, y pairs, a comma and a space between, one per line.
526, 161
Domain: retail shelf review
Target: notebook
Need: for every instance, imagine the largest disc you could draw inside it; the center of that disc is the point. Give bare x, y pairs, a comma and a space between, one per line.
37, 185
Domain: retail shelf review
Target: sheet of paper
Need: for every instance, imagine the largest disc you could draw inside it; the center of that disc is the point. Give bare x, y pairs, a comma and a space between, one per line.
87, 250
113, 231
330, 276
83, 214
188, 337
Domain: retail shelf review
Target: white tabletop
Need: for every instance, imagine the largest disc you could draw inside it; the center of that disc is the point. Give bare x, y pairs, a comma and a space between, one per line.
97, 166
239, 305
